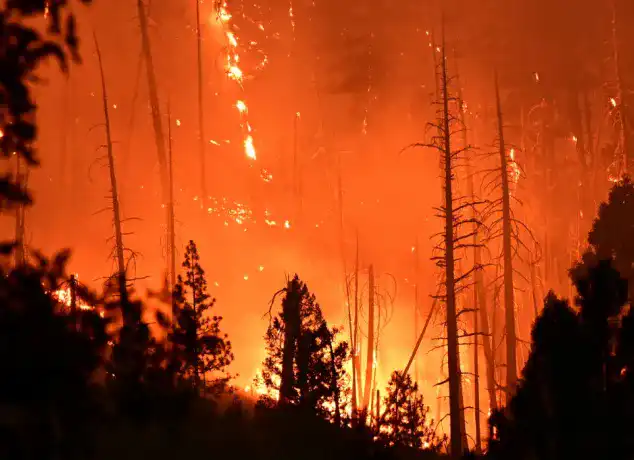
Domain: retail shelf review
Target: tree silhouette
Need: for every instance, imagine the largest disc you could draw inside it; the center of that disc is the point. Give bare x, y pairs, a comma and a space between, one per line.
23, 49
202, 351
405, 420
304, 362
49, 356
572, 375
612, 234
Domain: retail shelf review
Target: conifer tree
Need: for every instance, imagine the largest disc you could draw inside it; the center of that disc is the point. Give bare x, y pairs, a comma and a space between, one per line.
305, 363
405, 421
202, 352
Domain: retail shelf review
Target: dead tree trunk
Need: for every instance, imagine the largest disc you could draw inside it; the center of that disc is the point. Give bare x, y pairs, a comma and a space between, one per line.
356, 354
620, 95
369, 362
201, 113
449, 262
114, 193
159, 138
475, 241
171, 230
509, 295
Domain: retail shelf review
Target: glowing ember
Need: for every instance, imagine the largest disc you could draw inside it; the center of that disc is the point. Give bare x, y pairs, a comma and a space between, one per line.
249, 149
613, 102
235, 73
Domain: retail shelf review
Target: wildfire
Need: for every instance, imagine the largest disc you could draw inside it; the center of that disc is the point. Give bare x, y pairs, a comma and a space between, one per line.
65, 297
235, 73
516, 172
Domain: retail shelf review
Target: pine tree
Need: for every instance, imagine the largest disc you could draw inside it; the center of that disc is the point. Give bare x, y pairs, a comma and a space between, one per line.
405, 421
304, 363
202, 352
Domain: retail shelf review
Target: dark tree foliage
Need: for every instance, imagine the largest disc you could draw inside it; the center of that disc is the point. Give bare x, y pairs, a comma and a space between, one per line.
405, 421
201, 351
304, 362
612, 234
572, 401
23, 48
49, 356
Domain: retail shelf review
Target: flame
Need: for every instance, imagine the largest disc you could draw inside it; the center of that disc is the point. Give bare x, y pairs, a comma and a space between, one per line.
516, 172
235, 73
249, 149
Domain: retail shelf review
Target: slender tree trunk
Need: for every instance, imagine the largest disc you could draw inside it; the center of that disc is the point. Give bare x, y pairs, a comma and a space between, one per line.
370, 345
201, 113
171, 222
620, 94
121, 269
509, 295
477, 266
452, 324
159, 138
416, 306
356, 355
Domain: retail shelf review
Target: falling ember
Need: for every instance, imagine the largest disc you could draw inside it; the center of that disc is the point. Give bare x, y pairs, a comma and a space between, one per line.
287, 224
178, 122
536, 77
249, 149
266, 175
235, 73
613, 102
246, 277
1, 134
574, 139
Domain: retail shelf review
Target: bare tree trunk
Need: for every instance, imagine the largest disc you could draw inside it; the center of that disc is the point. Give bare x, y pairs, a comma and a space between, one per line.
154, 101
171, 221
509, 295
356, 355
620, 95
370, 345
477, 267
121, 268
452, 325
416, 306
201, 113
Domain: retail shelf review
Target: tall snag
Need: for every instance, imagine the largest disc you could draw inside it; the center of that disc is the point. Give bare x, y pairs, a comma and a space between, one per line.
478, 287
443, 144
369, 362
114, 194
171, 231
201, 113
509, 294
159, 138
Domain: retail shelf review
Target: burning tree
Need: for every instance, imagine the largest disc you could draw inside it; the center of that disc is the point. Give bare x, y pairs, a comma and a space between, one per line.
405, 421
304, 363
201, 350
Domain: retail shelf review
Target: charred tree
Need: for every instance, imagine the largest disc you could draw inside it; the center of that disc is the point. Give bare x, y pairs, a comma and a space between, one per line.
159, 138
509, 294
369, 362
114, 193
171, 231
201, 112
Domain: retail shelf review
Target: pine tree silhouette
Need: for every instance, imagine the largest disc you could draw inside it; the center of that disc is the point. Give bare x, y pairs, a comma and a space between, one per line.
304, 362
405, 421
202, 351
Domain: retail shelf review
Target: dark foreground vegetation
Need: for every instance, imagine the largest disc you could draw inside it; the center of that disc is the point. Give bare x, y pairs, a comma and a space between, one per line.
87, 375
